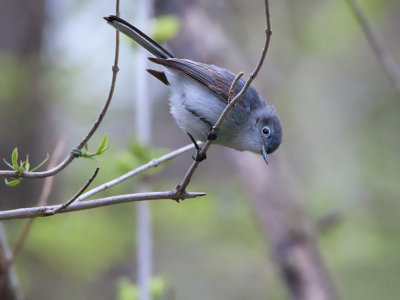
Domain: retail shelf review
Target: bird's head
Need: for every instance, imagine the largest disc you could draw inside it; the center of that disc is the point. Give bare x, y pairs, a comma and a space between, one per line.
269, 129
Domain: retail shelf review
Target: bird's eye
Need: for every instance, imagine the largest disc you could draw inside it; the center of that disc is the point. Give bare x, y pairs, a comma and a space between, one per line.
266, 131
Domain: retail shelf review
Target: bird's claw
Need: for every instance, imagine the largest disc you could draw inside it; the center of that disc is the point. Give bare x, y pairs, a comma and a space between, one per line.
199, 157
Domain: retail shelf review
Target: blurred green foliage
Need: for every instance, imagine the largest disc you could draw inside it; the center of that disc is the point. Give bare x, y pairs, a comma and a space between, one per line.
83, 244
164, 28
13, 77
137, 154
126, 290
330, 27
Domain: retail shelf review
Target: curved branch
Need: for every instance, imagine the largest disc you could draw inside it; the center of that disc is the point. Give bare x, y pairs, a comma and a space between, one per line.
71, 156
186, 180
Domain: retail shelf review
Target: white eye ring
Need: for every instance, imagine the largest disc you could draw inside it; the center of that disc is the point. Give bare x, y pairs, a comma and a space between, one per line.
266, 131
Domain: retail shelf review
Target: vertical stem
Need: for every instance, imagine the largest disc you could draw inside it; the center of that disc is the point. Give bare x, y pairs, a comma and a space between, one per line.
143, 127
9, 289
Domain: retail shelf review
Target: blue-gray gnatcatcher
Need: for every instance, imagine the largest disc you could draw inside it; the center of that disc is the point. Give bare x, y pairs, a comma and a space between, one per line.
199, 94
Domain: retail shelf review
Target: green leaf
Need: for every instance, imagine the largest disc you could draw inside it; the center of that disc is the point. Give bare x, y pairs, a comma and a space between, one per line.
39, 165
14, 157
27, 164
8, 164
165, 28
102, 148
13, 182
21, 166
136, 155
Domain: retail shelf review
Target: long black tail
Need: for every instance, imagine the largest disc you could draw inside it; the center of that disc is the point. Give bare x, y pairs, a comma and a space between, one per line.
138, 36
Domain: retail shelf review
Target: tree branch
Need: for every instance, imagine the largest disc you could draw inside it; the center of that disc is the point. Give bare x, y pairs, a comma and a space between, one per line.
72, 200
43, 210
384, 58
181, 188
71, 156
50, 210
151, 164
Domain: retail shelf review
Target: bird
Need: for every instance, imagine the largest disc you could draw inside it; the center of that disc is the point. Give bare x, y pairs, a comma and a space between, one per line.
199, 93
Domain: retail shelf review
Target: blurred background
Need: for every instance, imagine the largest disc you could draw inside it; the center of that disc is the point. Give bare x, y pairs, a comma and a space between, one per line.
321, 220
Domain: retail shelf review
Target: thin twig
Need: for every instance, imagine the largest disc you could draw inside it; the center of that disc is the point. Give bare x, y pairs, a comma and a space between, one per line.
151, 164
45, 211
71, 156
69, 202
233, 85
43, 198
181, 188
383, 56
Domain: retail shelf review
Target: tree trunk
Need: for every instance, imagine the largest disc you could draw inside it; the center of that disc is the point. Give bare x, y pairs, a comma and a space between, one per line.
291, 237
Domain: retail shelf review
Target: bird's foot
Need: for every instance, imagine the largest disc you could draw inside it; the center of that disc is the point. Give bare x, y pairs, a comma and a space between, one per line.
212, 136
198, 157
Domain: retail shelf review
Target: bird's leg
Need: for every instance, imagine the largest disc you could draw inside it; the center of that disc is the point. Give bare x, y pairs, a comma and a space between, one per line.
197, 157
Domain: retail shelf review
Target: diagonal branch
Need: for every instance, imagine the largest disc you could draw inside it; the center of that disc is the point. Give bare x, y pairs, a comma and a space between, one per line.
151, 164
384, 58
181, 188
83, 189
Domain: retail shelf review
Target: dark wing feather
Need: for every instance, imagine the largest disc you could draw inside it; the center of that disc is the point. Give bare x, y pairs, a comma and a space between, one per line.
215, 79
159, 75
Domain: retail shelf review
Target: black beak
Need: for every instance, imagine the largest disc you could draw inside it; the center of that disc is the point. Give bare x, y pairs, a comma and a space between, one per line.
265, 154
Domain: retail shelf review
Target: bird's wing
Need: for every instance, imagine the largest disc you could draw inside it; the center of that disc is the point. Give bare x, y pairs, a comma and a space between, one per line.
208, 75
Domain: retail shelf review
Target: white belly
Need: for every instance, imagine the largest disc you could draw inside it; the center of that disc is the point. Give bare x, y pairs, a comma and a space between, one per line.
194, 107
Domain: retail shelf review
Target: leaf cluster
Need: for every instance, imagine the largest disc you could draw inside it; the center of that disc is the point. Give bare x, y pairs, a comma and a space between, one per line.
21, 167
100, 150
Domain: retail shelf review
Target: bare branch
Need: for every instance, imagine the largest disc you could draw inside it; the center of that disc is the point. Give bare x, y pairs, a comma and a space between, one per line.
186, 180
69, 202
45, 211
233, 85
382, 55
71, 156
151, 164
